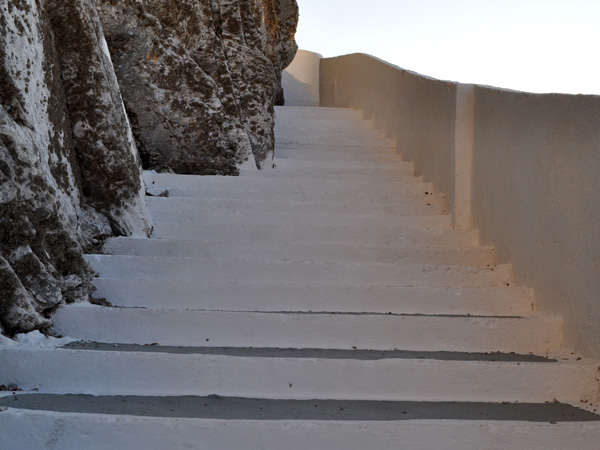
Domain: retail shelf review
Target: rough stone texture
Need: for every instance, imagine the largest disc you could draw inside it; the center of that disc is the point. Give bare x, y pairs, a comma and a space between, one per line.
68, 176
281, 21
199, 78
103, 142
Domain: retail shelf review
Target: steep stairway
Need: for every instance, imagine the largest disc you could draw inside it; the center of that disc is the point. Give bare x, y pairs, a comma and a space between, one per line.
324, 303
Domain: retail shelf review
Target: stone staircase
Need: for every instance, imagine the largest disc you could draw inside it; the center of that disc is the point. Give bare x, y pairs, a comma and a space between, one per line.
324, 304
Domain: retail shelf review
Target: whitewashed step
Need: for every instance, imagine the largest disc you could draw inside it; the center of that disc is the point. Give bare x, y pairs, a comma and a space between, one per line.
352, 118
310, 330
316, 234
425, 207
347, 171
325, 127
294, 113
361, 142
281, 169
262, 410
297, 272
126, 432
279, 297
177, 372
325, 152
314, 184
328, 129
408, 194
472, 256
256, 218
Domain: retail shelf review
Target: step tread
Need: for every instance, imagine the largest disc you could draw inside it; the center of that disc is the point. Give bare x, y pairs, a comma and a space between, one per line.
373, 331
311, 353
236, 408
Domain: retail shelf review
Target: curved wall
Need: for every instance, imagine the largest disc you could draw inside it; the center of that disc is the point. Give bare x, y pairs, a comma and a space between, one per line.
300, 80
522, 168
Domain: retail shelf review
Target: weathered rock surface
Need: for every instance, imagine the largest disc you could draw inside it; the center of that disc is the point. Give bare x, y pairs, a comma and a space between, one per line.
281, 20
200, 77
69, 175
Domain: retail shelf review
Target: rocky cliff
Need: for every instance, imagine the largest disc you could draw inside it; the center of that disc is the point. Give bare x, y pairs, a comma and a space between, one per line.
199, 79
69, 172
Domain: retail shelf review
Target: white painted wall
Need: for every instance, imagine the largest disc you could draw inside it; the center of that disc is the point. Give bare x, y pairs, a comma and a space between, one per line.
522, 168
300, 80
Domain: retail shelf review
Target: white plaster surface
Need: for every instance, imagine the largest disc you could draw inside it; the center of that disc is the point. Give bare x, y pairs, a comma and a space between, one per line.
306, 271
277, 297
533, 182
168, 374
300, 80
311, 330
102, 432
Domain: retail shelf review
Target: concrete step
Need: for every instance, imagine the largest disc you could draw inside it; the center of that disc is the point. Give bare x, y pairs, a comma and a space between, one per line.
472, 256
328, 128
299, 273
410, 197
260, 410
310, 330
100, 430
207, 216
278, 297
323, 152
310, 375
335, 170
348, 141
310, 185
420, 206
355, 121
295, 113
369, 236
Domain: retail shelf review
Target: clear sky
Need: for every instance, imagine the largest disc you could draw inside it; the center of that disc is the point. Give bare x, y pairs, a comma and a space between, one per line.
530, 45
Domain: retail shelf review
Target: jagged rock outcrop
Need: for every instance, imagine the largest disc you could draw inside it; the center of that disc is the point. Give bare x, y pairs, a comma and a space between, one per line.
69, 174
200, 77
281, 21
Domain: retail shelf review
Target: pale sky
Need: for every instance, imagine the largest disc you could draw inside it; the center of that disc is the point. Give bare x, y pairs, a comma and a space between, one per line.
530, 45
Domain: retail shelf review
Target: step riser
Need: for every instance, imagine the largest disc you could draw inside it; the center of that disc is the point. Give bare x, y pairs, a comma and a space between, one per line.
58, 371
412, 193
316, 235
298, 114
255, 218
89, 431
333, 153
318, 173
342, 167
427, 207
315, 184
287, 330
474, 256
192, 295
339, 137
299, 196
299, 273
329, 129
357, 144
324, 125
335, 171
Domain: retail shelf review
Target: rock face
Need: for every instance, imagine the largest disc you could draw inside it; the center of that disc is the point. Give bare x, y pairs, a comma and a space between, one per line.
69, 172
200, 77
281, 21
